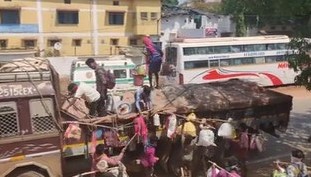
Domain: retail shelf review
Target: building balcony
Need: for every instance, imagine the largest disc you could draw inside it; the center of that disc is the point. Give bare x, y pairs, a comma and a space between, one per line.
19, 28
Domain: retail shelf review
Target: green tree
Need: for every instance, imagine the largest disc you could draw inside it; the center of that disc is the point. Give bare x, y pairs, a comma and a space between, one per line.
296, 14
301, 61
213, 7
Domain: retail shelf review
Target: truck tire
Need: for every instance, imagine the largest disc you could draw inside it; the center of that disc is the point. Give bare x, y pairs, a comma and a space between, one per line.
27, 173
31, 174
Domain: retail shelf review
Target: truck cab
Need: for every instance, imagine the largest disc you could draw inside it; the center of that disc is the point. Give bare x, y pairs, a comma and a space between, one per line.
30, 136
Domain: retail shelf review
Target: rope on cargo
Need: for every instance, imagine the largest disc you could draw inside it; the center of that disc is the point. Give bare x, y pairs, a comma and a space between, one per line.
83, 123
40, 94
95, 171
213, 163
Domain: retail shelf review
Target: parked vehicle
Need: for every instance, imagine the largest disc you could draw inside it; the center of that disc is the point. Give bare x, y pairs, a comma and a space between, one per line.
262, 59
30, 136
120, 66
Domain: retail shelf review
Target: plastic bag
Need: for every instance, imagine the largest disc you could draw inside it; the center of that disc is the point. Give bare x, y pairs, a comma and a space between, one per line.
226, 130
206, 138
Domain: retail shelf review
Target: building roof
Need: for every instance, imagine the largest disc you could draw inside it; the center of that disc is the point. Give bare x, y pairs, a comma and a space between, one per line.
169, 11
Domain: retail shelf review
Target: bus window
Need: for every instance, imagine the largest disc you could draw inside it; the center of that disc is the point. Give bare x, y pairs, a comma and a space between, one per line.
41, 116
249, 48
243, 61
222, 49
270, 46
259, 60
271, 59
120, 73
189, 51
214, 63
195, 64
281, 46
205, 50
236, 48
171, 55
226, 62
280, 58
260, 47
9, 120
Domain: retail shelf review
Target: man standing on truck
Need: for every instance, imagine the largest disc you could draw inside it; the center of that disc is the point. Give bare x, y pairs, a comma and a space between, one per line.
102, 80
90, 95
142, 98
154, 55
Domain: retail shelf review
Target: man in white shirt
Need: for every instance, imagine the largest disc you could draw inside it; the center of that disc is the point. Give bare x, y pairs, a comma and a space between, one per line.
90, 95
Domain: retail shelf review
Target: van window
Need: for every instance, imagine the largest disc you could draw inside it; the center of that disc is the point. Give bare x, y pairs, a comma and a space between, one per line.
120, 73
9, 125
41, 112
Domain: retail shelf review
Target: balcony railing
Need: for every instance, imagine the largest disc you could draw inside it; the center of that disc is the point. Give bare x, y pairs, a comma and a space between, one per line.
19, 28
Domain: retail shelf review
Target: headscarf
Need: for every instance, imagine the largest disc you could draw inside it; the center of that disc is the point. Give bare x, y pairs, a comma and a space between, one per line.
149, 44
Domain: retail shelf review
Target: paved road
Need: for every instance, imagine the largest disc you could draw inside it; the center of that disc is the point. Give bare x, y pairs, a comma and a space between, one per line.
296, 136
260, 164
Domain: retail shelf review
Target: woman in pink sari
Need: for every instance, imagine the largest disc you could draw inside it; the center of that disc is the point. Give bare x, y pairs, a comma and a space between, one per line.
154, 55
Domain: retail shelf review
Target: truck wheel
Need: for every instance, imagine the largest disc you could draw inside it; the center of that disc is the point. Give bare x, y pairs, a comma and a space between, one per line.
27, 173
30, 174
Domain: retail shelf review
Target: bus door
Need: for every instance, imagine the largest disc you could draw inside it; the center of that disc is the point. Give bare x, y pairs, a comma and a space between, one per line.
170, 65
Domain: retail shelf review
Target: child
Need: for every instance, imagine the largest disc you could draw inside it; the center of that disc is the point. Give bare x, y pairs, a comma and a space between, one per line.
297, 168
149, 159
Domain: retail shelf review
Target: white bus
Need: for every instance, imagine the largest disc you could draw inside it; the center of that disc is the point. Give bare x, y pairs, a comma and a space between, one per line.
262, 59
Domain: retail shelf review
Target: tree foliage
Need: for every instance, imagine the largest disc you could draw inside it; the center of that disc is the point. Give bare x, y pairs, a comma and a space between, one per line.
261, 12
296, 14
213, 7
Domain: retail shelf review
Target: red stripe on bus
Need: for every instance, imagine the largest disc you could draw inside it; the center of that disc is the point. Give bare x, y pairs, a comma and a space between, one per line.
214, 74
274, 79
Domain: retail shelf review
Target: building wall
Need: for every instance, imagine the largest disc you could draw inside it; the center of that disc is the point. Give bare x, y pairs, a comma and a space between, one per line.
39, 22
183, 26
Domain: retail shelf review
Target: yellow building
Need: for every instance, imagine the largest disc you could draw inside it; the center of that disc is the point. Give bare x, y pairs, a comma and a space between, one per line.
79, 27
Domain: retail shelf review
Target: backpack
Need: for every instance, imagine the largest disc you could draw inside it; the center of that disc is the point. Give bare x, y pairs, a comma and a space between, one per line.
110, 79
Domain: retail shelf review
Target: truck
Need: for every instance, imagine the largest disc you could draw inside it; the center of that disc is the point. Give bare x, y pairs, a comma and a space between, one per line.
30, 131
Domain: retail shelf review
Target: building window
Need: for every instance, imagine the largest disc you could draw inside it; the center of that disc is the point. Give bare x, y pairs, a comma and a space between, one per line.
68, 17
116, 18
3, 43
67, 1
154, 16
29, 43
133, 41
51, 42
9, 16
143, 15
76, 42
114, 41
116, 3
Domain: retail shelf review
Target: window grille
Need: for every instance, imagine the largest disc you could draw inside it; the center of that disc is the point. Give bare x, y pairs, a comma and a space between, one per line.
41, 121
8, 120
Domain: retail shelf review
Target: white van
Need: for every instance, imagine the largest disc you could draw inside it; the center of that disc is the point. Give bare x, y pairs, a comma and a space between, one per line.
120, 66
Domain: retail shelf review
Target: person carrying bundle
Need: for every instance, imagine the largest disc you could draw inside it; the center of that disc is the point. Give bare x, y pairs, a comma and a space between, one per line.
108, 166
